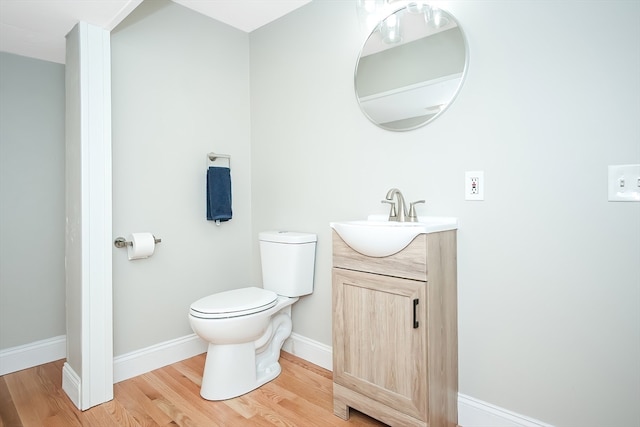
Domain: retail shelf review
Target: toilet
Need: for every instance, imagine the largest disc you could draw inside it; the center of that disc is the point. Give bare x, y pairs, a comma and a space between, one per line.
246, 327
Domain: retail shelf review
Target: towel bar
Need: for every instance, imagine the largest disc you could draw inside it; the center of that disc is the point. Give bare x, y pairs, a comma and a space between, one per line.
121, 242
212, 157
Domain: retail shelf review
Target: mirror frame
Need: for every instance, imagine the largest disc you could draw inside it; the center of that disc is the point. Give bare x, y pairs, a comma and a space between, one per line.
463, 76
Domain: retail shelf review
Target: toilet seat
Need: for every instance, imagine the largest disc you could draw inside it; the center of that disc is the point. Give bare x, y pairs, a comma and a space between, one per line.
234, 303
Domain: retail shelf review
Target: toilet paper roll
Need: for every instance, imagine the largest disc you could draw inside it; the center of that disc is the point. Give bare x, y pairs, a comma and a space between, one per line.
143, 245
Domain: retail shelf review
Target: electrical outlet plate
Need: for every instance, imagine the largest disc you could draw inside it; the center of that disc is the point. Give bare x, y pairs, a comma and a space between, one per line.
474, 185
624, 183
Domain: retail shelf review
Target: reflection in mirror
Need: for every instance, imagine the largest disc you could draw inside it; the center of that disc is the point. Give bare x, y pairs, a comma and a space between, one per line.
411, 67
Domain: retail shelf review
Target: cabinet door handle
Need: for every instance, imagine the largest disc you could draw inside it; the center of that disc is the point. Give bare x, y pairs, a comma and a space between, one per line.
415, 317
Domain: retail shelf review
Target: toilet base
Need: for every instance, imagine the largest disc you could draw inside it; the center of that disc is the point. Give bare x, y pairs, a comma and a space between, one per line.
229, 372
232, 370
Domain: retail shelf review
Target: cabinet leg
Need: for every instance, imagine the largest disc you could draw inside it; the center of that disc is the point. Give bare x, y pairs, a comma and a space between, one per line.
340, 409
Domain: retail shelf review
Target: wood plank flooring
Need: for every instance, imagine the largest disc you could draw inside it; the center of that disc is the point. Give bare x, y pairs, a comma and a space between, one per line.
170, 396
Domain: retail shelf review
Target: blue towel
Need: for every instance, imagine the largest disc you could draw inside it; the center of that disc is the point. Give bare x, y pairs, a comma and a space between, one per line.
218, 194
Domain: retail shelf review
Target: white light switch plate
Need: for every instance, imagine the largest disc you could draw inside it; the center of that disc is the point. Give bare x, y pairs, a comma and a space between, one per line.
624, 183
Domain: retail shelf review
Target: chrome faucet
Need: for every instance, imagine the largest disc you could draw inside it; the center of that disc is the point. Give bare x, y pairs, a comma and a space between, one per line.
400, 209
399, 212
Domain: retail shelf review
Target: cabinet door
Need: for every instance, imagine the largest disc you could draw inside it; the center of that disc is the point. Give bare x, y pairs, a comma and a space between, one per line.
379, 349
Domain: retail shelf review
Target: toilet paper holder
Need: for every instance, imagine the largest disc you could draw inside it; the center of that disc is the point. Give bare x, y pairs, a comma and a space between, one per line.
121, 242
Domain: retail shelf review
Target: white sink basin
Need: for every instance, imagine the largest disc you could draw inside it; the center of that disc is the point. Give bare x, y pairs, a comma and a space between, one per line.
378, 237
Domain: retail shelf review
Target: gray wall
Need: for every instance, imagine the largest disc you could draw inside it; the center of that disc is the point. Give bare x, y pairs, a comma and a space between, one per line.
31, 200
549, 283
549, 279
379, 72
179, 91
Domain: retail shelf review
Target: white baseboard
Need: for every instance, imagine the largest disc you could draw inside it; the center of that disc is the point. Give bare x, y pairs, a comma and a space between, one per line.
471, 412
157, 356
71, 384
33, 354
147, 359
476, 413
309, 350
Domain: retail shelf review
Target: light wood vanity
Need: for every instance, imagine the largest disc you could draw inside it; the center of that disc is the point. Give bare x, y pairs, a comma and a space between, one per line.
395, 341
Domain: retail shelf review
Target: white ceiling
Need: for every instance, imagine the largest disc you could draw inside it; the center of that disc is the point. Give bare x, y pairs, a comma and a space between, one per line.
37, 28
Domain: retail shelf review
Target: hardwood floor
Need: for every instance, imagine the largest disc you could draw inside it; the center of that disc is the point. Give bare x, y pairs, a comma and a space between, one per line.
170, 396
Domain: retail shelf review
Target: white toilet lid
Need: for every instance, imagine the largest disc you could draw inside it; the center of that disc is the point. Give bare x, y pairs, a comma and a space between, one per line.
237, 302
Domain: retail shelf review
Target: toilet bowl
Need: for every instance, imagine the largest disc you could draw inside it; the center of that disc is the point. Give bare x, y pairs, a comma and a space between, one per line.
246, 327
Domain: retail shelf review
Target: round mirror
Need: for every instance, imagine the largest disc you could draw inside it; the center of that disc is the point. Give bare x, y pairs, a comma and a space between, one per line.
411, 67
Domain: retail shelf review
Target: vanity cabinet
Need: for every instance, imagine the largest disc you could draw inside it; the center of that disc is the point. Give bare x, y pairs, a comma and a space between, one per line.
395, 338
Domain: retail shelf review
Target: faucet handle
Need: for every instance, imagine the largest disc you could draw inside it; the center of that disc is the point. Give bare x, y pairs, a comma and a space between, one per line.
393, 215
412, 210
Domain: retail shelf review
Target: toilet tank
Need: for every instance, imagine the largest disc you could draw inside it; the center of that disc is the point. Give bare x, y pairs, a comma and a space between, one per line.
288, 262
